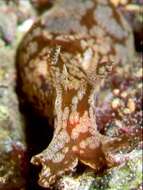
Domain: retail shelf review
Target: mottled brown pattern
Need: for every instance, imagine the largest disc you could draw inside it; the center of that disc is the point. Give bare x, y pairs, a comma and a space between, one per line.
62, 62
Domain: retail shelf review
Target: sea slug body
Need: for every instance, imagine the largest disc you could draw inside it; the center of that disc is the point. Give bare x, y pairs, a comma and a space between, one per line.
62, 63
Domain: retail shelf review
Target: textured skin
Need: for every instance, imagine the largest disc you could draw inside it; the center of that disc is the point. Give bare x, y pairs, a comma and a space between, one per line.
62, 62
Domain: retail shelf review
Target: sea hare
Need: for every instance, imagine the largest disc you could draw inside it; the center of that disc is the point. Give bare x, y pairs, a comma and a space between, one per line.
62, 63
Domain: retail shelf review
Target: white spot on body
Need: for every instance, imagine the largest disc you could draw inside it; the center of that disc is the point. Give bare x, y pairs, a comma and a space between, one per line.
74, 117
75, 148
82, 126
103, 15
83, 44
36, 32
97, 31
83, 144
32, 48
74, 103
81, 93
42, 68
87, 57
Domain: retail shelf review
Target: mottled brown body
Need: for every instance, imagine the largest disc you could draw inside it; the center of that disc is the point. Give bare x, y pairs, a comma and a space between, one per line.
62, 62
